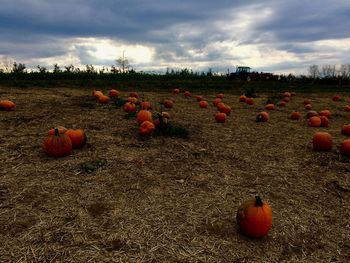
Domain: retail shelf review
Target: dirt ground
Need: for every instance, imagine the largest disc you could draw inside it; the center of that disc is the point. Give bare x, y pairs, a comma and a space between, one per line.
169, 199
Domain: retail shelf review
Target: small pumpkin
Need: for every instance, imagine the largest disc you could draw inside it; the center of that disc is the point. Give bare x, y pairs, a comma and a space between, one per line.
220, 117
176, 91
314, 121
146, 128
293, 94
199, 98
326, 113
225, 109
345, 147
282, 103
287, 94
103, 99
78, 137
322, 141
254, 218
57, 145
187, 93
134, 94
347, 108
168, 104
242, 98
113, 93
249, 101
262, 116
132, 99
270, 106
324, 121
7, 105
129, 107
311, 113
295, 115
345, 129
97, 93
203, 104
308, 107
61, 130
145, 105
216, 101
336, 98
143, 115
220, 95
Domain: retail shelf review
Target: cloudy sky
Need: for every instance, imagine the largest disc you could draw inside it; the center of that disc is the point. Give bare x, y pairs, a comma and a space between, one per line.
282, 36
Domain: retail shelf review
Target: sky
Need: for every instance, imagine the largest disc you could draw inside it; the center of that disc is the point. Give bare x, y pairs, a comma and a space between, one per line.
280, 36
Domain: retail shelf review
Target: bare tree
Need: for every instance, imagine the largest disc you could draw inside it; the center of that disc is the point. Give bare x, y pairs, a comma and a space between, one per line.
123, 62
6, 64
314, 72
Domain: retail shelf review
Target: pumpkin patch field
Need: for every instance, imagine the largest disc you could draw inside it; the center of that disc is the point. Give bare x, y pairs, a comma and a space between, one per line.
120, 189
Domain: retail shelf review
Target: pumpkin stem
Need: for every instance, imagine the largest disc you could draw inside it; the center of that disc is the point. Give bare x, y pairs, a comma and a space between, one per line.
56, 132
258, 201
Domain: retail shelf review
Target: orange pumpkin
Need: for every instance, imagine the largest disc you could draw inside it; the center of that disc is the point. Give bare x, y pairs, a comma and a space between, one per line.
145, 105
254, 218
57, 145
78, 137
282, 103
199, 98
220, 117
311, 113
61, 130
347, 108
225, 109
295, 115
134, 94
143, 115
322, 141
345, 129
242, 98
7, 105
113, 93
216, 101
336, 98
326, 113
132, 99
203, 104
270, 106
97, 93
176, 91
129, 107
146, 128
103, 99
187, 93
168, 104
262, 116
220, 95
308, 107
324, 121
249, 101
287, 94
345, 147
314, 121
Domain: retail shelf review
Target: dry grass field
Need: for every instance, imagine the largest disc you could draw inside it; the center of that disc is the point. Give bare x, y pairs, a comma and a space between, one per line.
167, 199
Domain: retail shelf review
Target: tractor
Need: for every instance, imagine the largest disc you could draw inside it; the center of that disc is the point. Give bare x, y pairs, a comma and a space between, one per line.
244, 73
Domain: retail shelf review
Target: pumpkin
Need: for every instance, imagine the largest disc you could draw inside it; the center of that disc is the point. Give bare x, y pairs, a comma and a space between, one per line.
293, 94
97, 93
311, 113
322, 141
168, 104
307, 101
143, 115
270, 106
113, 93
203, 104
345, 147
254, 218
103, 99
146, 128
216, 101
249, 101
308, 107
199, 98
314, 121
220, 95
262, 116
78, 137
282, 103
57, 145
129, 107
345, 129
326, 113
132, 99
61, 130
220, 117
7, 105
225, 109
242, 98
286, 99
295, 115
176, 91
347, 108
287, 94
134, 94
145, 105
324, 121
187, 93
336, 98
